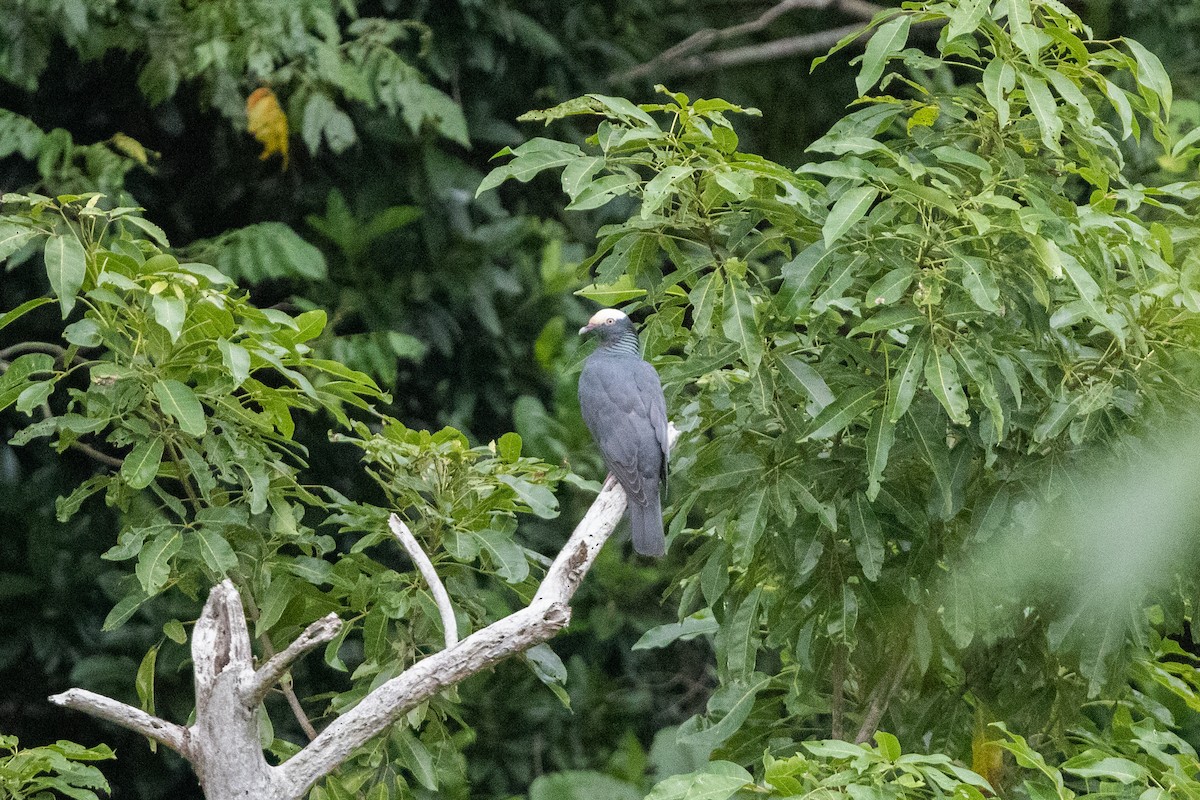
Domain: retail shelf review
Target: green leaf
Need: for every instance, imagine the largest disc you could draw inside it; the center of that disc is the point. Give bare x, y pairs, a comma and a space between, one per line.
1045, 110
849, 209
736, 696
840, 413
980, 281
834, 748
154, 562
1095, 764
906, 378
1056, 418
508, 558
179, 402
173, 630
965, 17
123, 610
141, 465
236, 359
740, 638
807, 381
32, 396
889, 745
532, 157
749, 526
216, 552
867, 536
941, 376
720, 780
704, 297
541, 500
13, 237
699, 624
888, 40
891, 287
1151, 74
66, 266
415, 757
999, 79
9, 317
144, 682
662, 185
739, 323
85, 333
170, 313
579, 173
147, 227
508, 447
602, 190
880, 437
801, 276
612, 294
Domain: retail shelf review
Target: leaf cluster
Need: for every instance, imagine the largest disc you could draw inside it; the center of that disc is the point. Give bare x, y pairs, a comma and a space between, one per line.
883, 359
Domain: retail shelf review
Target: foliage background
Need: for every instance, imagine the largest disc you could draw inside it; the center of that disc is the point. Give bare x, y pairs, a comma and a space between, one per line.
461, 307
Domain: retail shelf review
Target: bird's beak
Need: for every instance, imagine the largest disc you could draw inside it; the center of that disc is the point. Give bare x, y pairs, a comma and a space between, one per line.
586, 329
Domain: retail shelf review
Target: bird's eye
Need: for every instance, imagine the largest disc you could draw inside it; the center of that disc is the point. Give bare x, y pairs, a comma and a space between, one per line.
609, 321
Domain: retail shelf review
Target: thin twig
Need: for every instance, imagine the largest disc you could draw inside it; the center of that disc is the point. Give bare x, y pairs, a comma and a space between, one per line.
86, 449
161, 731
259, 685
277, 664
440, 597
55, 350
680, 58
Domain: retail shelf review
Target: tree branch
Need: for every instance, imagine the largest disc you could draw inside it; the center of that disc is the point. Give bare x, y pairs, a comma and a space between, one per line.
223, 745
880, 697
266, 676
134, 719
683, 58
546, 614
837, 704
425, 566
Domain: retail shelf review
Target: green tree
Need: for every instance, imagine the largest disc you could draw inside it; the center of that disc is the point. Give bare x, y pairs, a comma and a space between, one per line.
886, 361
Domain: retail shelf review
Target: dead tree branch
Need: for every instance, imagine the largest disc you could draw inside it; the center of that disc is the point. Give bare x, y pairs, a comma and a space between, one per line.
440, 597
689, 56
223, 745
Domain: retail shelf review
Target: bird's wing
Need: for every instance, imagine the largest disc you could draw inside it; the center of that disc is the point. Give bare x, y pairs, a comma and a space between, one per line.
652, 387
618, 403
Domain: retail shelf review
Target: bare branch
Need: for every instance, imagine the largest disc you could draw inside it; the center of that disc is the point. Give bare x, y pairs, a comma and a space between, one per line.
91, 452
266, 676
223, 745
440, 596
547, 614
687, 56
58, 351
136, 720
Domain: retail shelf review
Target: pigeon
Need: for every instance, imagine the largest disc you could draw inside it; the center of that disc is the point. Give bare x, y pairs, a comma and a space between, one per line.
623, 406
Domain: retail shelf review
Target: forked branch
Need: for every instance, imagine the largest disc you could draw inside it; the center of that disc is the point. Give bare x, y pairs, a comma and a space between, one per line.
223, 745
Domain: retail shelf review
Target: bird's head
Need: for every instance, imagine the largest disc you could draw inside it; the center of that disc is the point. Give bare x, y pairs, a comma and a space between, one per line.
608, 324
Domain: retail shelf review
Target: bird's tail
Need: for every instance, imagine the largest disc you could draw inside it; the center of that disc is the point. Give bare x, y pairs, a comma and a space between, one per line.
647, 524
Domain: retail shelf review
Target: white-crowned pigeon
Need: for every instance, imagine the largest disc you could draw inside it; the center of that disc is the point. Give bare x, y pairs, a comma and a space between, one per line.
623, 406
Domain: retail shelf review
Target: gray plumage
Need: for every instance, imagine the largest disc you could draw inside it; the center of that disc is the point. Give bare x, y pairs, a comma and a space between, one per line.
623, 406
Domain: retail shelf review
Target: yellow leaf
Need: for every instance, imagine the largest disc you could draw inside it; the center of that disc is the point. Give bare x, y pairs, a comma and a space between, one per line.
131, 147
923, 117
267, 122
